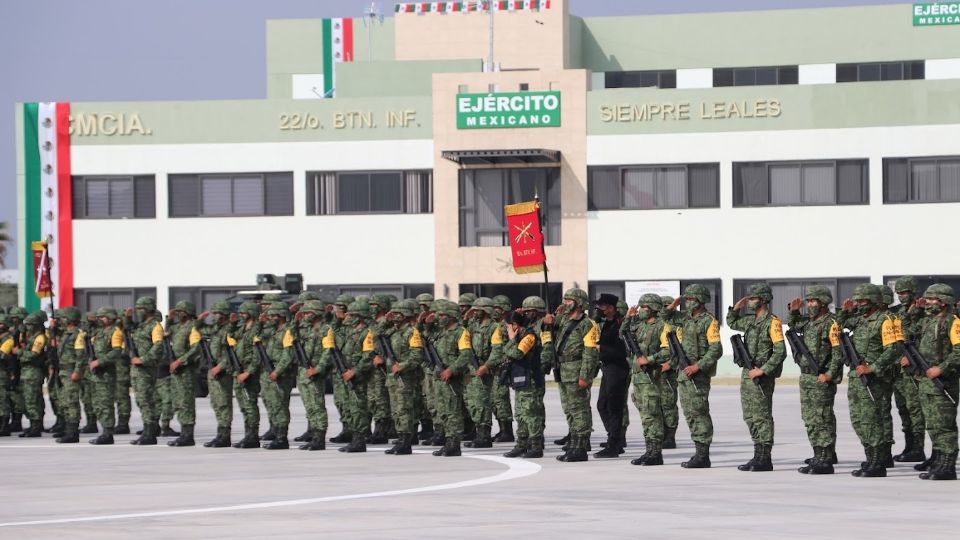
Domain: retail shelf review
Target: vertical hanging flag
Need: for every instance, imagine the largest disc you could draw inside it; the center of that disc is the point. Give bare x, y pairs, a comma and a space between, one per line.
337, 47
47, 200
526, 238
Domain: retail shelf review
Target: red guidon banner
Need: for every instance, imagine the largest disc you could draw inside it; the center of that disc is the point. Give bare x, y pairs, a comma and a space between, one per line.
526, 239
41, 269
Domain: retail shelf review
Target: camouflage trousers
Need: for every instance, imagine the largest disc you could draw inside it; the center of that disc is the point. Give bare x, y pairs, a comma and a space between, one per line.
5, 393
694, 397
53, 392
502, 409
479, 400
69, 398
340, 398
816, 410
940, 413
221, 398
757, 407
144, 380
86, 393
105, 397
576, 407
428, 388
450, 406
246, 395
865, 413
669, 397
276, 396
907, 398
883, 389
404, 391
31, 385
165, 399
647, 397
378, 399
314, 405
124, 405
531, 414
183, 387
355, 417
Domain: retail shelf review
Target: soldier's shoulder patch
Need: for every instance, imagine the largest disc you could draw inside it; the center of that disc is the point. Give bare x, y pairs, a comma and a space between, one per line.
955, 332
231, 341
463, 343
834, 334
527, 343
156, 334
664, 339
713, 331
116, 338
776, 330
329, 340
496, 338
39, 343
195, 337
415, 341
592, 337
888, 332
898, 328
6, 347
287, 339
368, 344
546, 336
78, 343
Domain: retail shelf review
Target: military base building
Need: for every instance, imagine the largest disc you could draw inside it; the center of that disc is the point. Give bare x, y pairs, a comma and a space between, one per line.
792, 146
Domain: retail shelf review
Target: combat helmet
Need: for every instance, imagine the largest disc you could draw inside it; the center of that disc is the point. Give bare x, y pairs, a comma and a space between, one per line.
533, 303
503, 302
484, 304
820, 293
867, 291
906, 284
697, 291
761, 290
579, 297
220, 307
652, 301
941, 291
187, 307
146, 302
886, 294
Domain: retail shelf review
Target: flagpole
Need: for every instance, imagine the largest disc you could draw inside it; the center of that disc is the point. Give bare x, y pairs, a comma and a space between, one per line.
46, 256
543, 249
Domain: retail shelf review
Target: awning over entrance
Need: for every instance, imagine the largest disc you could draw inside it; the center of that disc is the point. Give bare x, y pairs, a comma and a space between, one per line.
503, 157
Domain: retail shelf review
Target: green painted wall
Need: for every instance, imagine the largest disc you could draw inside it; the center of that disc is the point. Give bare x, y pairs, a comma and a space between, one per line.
410, 78
246, 121
845, 105
761, 38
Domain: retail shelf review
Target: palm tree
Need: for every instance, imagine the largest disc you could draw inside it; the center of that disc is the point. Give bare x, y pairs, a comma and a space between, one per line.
4, 240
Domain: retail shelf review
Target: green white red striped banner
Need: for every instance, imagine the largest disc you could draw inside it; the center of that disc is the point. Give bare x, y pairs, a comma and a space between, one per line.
337, 47
468, 7
48, 201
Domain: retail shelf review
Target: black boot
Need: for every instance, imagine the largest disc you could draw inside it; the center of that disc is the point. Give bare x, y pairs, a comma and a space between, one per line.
391, 429
810, 461
149, 436
443, 449
563, 441
439, 436
670, 438
306, 436
16, 424
483, 440
469, 431
506, 433
58, 428
280, 441
185, 438
748, 466
426, 433
105, 438
944, 469
343, 437
269, 435
700, 459
534, 449
35, 430
886, 456
579, 446
71, 433
5, 426
379, 435
765, 461
823, 464
406, 441
612, 447
519, 449
927, 463
251, 438
123, 426
222, 440
874, 465
318, 442
652, 456
912, 450
451, 448
358, 444
167, 431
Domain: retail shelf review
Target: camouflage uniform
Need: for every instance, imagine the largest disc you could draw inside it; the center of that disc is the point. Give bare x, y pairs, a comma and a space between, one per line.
71, 351
16, 396
148, 338
165, 394
818, 389
486, 343
521, 359
454, 349
124, 403
7, 362
247, 383
579, 360
220, 376
310, 380
108, 347
33, 359
357, 350
277, 385
648, 380
378, 398
185, 342
669, 393
429, 381
500, 392
407, 345
906, 393
763, 337
339, 393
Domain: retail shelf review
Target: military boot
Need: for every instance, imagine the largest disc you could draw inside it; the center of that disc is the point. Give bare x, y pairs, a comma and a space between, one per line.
913, 449
748, 466
886, 456
149, 436
442, 451
391, 429
279, 442
944, 469
57, 428
123, 426
612, 447
810, 461
167, 431
426, 433
16, 423
643, 457
483, 440
358, 444
343, 437
452, 448
222, 440
579, 446
439, 436
563, 440
269, 435
306, 435
506, 433
927, 463
185, 438
670, 438
251, 438
404, 448
35, 430
215, 439
873, 467
379, 435
318, 442
519, 449
71, 433
534, 448
90, 426
765, 461
654, 454
5, 426
105, 438
823, 464
700, 458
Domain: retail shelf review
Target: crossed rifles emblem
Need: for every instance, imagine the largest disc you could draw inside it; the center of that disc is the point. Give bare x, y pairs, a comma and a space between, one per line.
523, 234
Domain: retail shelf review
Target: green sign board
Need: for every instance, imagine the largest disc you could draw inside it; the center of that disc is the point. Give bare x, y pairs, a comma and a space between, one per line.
508, 110
937, 14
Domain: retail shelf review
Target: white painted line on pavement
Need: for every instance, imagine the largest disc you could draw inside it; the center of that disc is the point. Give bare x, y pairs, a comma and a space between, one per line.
516, 468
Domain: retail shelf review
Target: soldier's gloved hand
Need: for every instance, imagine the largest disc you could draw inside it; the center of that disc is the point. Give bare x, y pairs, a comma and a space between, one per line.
583, 384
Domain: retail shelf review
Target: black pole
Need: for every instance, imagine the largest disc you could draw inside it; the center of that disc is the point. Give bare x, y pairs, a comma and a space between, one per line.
46, 255
543, 249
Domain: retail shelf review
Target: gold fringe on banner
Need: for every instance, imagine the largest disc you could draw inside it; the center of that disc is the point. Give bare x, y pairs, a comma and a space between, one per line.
521, 208
528, 269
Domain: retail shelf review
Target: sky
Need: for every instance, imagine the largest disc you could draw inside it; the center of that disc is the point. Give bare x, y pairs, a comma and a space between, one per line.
138, 50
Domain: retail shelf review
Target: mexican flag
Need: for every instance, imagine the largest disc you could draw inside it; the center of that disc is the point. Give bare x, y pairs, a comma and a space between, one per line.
337, 47
48, 207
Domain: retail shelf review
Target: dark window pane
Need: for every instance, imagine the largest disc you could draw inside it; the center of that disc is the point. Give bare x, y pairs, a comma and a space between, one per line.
868, 72
949, 180
638, 188
353, 192
184, 198
613, 79
766, 75
750, 184
788, 75
604, 189
279, 194
846, 72
924, 185
784, 184
121, 197
312, 192
722, 77
386, 192
852, 186
146, 199
77, 192
668, 79
744, 77
891, 71
895, 180
98, 198
704, 186
248, 197
216, 196
819, 182
917, 70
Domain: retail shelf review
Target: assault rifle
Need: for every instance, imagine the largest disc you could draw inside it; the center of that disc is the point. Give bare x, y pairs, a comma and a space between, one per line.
385, 350
633, 351
206, 357
801, 351
919, 367
54, 355
852, 359
163, 370
232, 358
91, 352
680, 355
130, 344
432, 356
560, 347
265, 363
741, 357
340, 364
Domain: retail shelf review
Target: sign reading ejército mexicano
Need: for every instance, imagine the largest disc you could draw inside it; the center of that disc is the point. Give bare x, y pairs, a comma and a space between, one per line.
508, 110
936, 14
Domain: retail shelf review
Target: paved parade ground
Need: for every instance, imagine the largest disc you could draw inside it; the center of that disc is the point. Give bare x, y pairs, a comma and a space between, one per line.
85, 492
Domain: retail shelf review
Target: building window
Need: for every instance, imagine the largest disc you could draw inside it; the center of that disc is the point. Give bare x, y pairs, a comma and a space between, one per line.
755, 76
374, 192
881, 71
921, 180
785, 290
800, 183
329, 293
231, 195
202, 297
484, 193
618, 288
524, 87
516, 292
641, 79
646, 187
120, 299
111, 197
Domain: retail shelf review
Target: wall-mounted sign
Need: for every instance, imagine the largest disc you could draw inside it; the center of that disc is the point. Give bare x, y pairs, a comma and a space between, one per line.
937, 14
508, 110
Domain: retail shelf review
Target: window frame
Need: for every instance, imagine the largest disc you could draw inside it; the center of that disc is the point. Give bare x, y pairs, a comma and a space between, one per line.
198, 179
621, 171
908, 71
864, 180
80, 195
82, 298
908, 162
720, 79
740, 286
552, 174
615, 79
314, 179
369, 175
